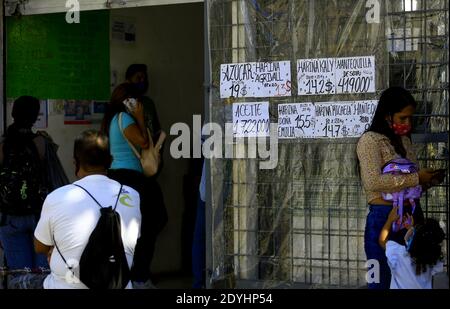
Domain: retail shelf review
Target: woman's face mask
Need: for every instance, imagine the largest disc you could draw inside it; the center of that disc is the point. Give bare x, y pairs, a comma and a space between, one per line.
140, 81
142, 87
401, 129
401, 122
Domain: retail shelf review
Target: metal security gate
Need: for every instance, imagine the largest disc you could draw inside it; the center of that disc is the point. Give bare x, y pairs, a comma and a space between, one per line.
302, 223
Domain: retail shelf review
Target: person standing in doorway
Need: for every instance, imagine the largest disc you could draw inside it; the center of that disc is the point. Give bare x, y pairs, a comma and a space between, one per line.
137, 75
124, 123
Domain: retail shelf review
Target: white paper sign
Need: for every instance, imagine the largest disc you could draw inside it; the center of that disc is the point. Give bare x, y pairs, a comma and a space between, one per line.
316, 76
42, 120
251, 119
296, 120
255, 79
343, 119
355, 75
336, 75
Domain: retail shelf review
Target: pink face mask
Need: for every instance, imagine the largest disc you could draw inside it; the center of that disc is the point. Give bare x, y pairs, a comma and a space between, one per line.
401, 129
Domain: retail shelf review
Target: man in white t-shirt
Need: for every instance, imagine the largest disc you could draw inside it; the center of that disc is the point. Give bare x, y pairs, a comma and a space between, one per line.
69, 214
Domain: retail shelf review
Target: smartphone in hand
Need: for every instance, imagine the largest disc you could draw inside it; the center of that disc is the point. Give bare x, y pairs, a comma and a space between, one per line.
438, 176
130, 104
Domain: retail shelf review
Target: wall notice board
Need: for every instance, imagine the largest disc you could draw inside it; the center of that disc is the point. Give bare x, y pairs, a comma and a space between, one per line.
51, 59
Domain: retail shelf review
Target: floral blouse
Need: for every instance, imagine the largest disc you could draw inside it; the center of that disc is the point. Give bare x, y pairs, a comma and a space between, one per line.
374, 151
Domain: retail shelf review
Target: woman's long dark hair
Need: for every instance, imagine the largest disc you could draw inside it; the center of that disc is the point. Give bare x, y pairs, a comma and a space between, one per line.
115, 105
392, 100
426, 248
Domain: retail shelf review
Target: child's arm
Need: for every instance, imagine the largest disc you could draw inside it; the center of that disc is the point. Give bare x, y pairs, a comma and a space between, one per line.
384, 234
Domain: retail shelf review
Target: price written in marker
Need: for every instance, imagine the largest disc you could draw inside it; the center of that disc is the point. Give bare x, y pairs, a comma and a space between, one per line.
324, 76
251, 119
255, 79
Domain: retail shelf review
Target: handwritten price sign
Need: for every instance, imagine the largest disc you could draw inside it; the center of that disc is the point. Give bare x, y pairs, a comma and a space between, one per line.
316, 76
324, 120
296, 120
324, 76
255, 79
343, 119
251, 119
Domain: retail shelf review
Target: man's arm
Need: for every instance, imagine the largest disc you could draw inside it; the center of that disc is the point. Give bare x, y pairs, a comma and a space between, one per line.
384, 234
40, 247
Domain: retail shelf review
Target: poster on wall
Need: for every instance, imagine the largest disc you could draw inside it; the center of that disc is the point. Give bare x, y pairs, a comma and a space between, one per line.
251, 119
77, 112
123, 30
343, 119
98, 111
324, 76
255, 79
296, 120
42, 120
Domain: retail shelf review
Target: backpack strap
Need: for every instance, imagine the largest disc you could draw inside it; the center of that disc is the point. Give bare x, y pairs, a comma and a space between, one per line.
56, 246
117, 200
54, 241
62, 256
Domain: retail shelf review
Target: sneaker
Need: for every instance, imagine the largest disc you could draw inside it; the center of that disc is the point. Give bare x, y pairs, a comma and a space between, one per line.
140, 285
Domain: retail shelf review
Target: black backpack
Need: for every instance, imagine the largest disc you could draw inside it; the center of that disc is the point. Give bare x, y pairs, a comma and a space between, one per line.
22, 182
103, 264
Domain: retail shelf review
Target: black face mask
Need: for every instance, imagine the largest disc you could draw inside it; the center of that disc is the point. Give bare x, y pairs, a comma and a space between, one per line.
142, 87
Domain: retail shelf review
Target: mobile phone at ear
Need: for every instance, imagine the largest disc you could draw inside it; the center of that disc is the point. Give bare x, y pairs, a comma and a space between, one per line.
130, 104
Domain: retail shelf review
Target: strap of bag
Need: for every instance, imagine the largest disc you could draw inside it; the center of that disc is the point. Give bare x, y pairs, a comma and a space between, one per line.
54, 241
62, 256
129, 143
118, 195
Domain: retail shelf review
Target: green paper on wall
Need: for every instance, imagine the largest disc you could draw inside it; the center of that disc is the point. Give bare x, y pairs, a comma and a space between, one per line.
51, 59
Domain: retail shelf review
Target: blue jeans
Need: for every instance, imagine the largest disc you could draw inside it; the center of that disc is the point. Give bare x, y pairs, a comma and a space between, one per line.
16, 237
376, 219
199, 247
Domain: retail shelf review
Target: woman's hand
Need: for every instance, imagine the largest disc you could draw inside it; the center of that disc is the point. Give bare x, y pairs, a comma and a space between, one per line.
408, 221
138, 111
